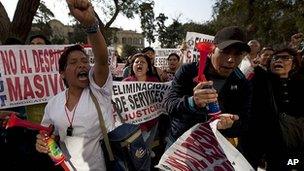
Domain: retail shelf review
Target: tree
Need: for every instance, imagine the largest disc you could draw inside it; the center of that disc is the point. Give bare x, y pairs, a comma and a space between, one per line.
43, 14
147, 21
129, 50
161, 28
78, 35
128, 8
42, 18
205, 28
270, 22
22, 21
26, 10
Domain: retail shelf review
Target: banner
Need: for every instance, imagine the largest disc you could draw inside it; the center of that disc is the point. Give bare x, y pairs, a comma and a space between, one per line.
162, 55
139, 102
192, 38
200, 149
29, 74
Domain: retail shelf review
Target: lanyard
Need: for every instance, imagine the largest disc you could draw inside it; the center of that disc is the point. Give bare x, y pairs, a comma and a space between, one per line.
70, 128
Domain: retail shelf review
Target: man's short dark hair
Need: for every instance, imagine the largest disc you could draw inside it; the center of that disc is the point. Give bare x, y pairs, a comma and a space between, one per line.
46, 40
146, 49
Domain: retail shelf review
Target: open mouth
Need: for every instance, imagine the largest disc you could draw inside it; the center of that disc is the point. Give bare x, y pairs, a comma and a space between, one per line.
139, 69
278, 66
82, 75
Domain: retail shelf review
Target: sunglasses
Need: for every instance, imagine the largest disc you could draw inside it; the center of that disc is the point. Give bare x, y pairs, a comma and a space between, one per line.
282, 57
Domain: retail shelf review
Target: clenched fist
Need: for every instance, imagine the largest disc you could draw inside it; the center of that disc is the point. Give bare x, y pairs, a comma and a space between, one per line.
83, 11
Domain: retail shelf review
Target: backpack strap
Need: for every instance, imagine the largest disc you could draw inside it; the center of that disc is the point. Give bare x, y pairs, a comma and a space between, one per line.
103, 127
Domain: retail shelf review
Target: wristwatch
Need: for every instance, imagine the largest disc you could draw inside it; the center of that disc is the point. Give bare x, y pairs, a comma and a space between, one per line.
93, 28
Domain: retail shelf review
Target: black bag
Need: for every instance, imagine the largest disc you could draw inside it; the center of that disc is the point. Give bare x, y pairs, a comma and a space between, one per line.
292, 131
125, 146
129, 149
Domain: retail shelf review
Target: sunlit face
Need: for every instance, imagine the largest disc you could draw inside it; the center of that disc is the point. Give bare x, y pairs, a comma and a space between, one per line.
140, 67
225, 61
173, 62
265, 57
38, 41
281, 64
77, 70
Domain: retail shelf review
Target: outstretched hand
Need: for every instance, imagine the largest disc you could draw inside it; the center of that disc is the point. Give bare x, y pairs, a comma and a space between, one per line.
83, 11
226, 120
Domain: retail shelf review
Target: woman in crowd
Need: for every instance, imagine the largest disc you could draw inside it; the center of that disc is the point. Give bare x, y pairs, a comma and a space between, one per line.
72, 112
142, 71
277, 122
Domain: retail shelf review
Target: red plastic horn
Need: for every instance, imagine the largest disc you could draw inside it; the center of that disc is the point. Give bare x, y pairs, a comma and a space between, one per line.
14, 121
204, 48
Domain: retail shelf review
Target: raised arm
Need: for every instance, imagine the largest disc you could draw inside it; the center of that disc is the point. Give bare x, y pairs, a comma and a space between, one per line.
83, 11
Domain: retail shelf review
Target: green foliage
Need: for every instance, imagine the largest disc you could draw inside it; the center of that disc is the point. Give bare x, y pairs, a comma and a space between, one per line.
57, 40
41, 19
172, 36
129, 8
161, 28
79, 35
43, 14
147, 21
110, 35
128, 50
205, 28
271, 22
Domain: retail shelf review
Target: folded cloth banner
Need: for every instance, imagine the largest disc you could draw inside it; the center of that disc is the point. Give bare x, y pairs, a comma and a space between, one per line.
237, 160
203, 148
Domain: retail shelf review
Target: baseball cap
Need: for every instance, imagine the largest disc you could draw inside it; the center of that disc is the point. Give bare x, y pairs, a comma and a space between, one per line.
229, 36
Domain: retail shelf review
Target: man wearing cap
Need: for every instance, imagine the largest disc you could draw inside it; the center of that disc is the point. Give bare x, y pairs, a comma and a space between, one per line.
186, 102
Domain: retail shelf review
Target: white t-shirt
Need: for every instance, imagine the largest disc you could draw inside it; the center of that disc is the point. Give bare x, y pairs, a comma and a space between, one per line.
82, 150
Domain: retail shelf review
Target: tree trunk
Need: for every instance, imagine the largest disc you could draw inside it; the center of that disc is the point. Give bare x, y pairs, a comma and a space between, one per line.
4, 24
23, 17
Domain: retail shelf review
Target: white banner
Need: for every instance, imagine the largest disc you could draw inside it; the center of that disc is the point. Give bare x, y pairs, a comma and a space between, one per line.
139, 102
203, 148
29, 73
192, 38
162, 55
